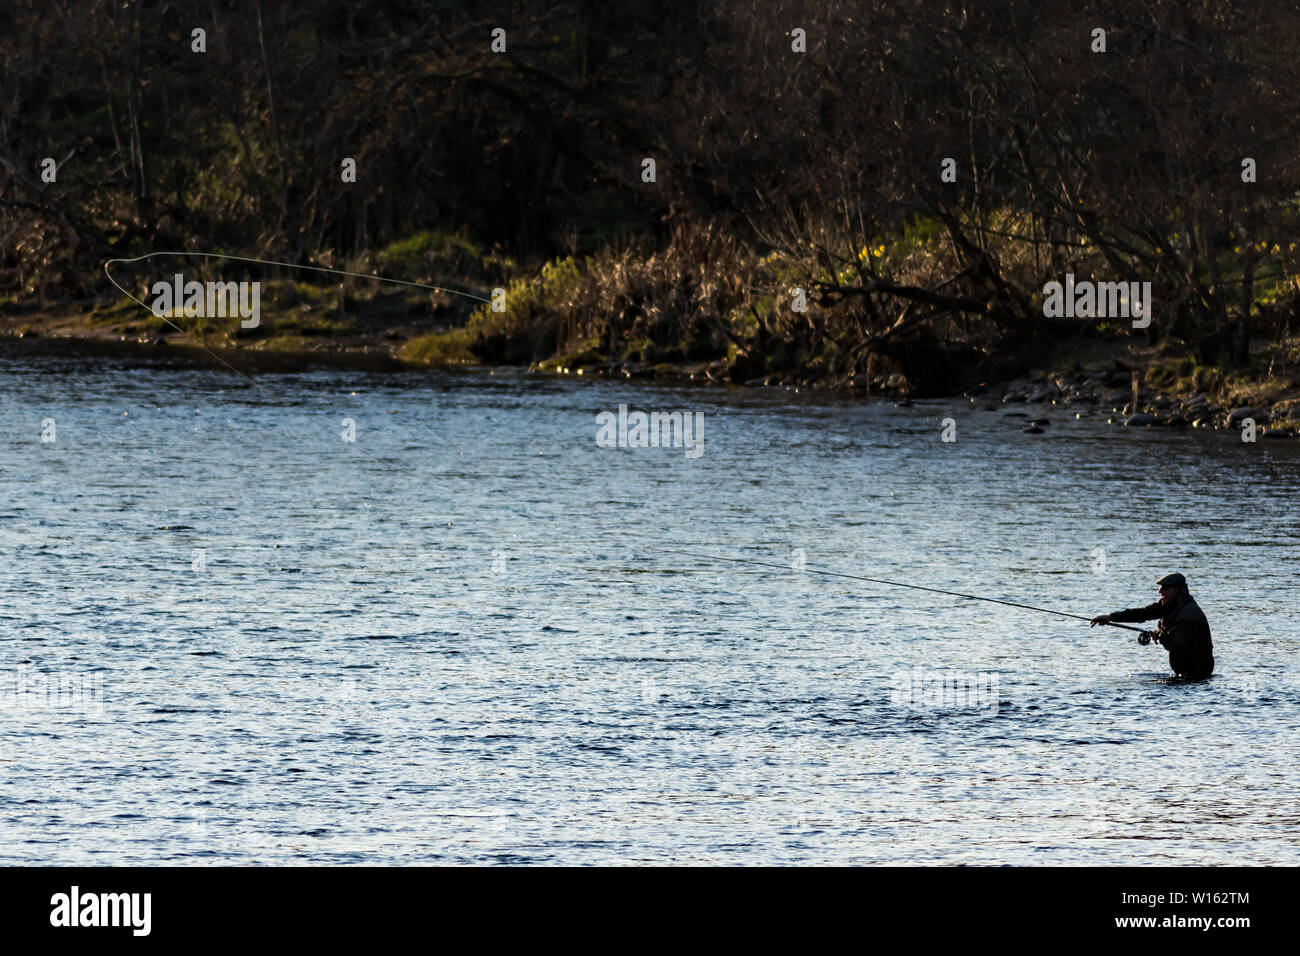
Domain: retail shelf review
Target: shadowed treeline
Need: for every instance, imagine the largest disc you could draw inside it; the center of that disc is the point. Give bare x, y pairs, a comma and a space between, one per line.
775, 170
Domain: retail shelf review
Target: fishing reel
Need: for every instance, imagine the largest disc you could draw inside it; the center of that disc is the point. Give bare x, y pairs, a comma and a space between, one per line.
1144, 637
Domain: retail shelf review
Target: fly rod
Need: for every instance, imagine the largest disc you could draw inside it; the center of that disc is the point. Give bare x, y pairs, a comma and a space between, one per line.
896, 584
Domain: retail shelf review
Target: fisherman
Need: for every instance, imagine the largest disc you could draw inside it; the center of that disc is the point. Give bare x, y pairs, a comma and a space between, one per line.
1183, 632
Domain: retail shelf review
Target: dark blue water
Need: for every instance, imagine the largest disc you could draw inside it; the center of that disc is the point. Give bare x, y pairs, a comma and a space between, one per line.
232, 636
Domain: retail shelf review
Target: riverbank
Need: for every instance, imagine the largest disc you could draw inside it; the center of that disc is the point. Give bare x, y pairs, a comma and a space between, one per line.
1086, 374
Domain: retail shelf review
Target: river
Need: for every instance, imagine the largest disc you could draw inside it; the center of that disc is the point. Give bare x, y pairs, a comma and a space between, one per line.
382, 615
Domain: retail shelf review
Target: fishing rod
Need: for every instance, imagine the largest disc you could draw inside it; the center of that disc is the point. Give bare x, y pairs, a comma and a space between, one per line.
896, 584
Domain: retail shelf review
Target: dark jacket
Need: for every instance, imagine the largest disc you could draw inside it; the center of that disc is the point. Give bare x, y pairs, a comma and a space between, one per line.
1184, 632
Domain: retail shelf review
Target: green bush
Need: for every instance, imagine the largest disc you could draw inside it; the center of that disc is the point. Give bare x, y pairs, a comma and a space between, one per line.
428, 256
439, 348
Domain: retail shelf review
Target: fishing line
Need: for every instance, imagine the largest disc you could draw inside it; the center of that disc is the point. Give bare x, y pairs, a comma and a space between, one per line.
896, 584
288, 265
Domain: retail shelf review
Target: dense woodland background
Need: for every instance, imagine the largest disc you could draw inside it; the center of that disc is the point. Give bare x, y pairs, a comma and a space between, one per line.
775, 170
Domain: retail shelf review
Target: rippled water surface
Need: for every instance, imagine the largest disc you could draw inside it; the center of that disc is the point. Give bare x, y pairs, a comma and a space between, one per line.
232, 637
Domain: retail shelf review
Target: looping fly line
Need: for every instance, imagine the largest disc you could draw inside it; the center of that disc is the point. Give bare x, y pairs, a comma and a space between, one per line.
286, 265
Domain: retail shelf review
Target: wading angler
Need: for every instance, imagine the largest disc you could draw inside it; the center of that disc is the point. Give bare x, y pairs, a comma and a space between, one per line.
1183, 632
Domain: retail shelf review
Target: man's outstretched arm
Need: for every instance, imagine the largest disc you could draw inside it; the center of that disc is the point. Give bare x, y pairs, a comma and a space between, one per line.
1131, 615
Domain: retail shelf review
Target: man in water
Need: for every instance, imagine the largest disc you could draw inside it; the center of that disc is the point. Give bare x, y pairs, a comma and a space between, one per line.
1184, 632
